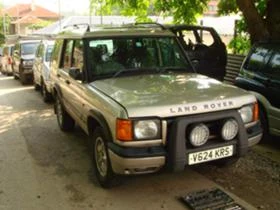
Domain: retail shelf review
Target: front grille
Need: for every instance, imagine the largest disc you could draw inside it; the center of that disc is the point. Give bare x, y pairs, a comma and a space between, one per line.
214, 127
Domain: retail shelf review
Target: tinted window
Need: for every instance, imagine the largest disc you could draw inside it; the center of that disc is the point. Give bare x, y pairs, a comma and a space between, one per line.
258, 59
274, 63
28, 48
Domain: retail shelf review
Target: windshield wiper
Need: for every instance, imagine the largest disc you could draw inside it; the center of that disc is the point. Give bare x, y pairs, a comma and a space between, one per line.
135, 70
173, 68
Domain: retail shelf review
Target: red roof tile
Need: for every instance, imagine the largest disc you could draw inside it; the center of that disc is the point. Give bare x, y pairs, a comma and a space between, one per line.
20, 10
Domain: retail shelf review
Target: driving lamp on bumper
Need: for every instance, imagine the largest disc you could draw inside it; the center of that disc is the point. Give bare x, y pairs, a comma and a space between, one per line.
199, 135
229, 129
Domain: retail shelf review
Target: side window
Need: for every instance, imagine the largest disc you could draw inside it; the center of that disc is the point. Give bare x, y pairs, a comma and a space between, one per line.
258, 59
274, 64
206, 37
78, 55
56, 53
67, 54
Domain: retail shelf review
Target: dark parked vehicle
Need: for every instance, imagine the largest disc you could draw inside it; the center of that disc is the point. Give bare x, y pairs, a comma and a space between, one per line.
23, 58
204, 47
260, 73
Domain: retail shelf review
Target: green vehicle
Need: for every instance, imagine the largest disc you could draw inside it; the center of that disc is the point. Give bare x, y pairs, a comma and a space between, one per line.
134, 92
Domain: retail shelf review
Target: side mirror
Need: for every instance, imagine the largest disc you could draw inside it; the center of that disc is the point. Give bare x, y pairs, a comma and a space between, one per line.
195, 63
75, 73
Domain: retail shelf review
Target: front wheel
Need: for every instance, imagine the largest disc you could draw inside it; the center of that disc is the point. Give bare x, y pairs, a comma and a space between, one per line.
46, 95
101, 160
64, 120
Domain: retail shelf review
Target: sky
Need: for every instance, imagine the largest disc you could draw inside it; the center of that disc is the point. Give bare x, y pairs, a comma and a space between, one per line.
67, 6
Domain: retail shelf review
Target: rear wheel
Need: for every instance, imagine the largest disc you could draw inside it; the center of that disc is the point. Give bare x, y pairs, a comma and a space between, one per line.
101, 160
64, 120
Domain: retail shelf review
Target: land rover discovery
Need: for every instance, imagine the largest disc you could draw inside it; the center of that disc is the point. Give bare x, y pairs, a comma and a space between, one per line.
134, 92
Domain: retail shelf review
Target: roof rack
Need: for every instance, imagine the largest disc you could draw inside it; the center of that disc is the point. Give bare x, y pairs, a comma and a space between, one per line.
146, 25
149, 24
85, 26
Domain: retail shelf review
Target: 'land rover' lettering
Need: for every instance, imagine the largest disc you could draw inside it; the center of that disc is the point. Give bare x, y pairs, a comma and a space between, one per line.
210, 106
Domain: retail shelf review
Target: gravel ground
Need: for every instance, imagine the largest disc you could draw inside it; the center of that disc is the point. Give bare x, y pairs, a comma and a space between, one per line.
255, 177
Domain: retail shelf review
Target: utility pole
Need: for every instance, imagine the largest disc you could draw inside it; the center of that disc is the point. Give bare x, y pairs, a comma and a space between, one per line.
59, 12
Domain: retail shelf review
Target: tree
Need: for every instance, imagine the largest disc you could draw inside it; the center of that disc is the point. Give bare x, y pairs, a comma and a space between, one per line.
183, 11
261, 17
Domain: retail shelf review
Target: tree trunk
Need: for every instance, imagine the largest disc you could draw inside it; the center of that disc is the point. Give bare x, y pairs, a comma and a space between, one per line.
273, 19
255, 23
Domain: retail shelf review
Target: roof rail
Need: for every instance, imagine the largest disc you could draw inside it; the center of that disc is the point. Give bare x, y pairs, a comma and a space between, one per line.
149, 24
77, 26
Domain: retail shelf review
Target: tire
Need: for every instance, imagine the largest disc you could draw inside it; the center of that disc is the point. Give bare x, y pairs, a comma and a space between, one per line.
64, 120
36, 86
15, 76
101, 161
23, 79
46, 95
264, 125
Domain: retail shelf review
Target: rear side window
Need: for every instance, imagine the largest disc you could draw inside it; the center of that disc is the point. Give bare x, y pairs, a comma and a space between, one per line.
56, 53
258, 59
67, 54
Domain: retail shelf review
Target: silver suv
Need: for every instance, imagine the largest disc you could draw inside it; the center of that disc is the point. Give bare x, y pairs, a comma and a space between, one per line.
134, 92
41, 68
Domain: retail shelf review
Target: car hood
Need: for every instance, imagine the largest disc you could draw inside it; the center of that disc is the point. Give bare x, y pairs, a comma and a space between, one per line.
166, 95
28, 56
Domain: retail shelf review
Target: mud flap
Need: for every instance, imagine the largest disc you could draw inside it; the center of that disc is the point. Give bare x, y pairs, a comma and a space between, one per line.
177, 158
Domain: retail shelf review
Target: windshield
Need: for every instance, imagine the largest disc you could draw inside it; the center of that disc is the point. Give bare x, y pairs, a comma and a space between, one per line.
110, 57
28, 48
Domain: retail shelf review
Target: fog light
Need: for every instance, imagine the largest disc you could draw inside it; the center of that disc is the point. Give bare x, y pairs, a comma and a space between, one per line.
229, 129
199, 135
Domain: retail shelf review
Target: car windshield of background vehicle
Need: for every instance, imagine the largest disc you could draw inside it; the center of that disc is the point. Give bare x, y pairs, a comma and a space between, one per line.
28, 48
48, 53
109, 56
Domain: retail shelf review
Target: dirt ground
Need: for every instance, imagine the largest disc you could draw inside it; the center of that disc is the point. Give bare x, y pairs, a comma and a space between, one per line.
255, 177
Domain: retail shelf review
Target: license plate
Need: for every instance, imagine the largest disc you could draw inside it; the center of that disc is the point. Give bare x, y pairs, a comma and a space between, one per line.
211, 154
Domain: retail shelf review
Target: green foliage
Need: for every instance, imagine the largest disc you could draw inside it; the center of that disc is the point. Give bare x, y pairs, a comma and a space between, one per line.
240, 44
227, 7
183, 11
39, 25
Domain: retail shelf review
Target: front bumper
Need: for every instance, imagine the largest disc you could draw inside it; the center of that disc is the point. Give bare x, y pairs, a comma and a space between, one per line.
128, 160
140, 160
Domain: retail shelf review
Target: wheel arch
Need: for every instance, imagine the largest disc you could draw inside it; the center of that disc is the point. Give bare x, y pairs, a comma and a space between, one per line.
95, 119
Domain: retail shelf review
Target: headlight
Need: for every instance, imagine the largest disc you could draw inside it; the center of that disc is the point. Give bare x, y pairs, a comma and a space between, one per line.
147, 129
199, 135
229, 129
247, 113
27, 63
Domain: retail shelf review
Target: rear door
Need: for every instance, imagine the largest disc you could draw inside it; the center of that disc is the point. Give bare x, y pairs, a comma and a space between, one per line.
273, 78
